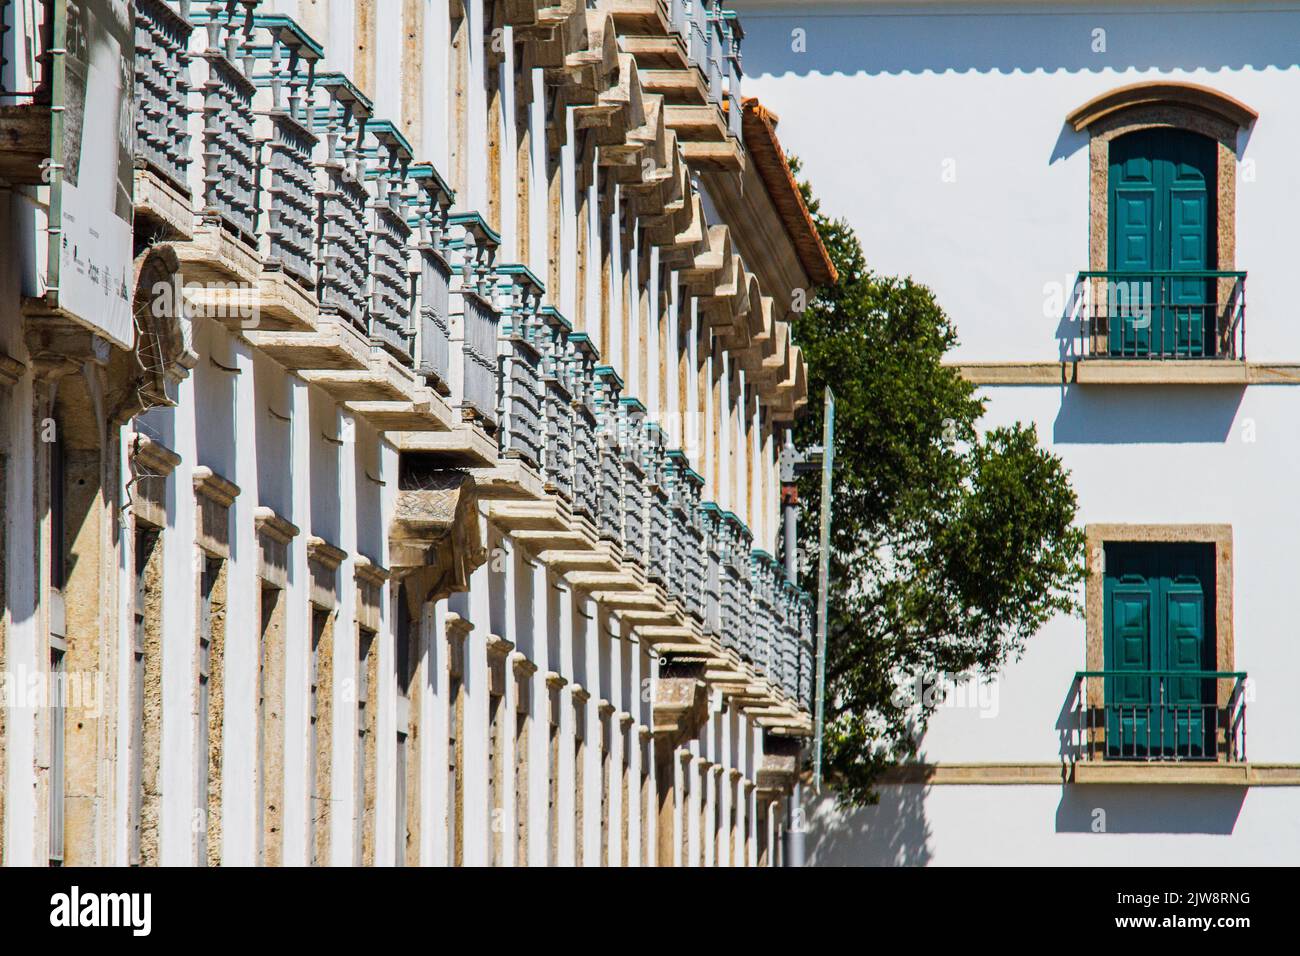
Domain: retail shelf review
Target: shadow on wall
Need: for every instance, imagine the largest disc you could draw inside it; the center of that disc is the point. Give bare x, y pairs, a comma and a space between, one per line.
1154, 809
1158, 414
828, 40
894, 832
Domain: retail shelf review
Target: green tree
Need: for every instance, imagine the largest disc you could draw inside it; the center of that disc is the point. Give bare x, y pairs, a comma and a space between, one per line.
949, 548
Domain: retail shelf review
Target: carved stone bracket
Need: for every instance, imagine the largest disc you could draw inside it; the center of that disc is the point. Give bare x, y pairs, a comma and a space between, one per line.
273, 536
370, 579
457, 629
323, 560
498, 651
779, 767
151, 464
434, 541
681, 707
213, 495
524, 670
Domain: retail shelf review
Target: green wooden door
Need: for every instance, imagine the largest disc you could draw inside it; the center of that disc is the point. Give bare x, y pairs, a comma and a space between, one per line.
1159, 617
1161, 219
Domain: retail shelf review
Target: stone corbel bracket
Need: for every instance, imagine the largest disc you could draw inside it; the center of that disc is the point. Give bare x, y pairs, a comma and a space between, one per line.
370, 579
779, 767
151, 464
273, 536
214, 495
434, 540
681, 706
323, 560
498, 653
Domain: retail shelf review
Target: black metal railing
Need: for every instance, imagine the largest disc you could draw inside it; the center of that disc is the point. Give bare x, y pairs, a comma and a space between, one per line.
1161, 315
1157, 715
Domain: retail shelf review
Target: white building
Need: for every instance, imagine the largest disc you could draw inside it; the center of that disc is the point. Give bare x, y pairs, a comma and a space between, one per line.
427, 511
1011, 156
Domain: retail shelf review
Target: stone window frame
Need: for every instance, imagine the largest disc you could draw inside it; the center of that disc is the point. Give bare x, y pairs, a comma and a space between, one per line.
323, 561
1152, 105
523, 670
456, 630
274, 535
1097, 536
579, 697
555, 683
213, 497
500, 727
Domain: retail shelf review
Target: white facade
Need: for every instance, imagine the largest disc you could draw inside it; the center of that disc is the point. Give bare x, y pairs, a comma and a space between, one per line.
300, 483
954, 161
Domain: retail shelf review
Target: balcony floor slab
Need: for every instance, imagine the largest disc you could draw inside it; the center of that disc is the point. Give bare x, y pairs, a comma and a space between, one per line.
424, 412
334, 345
161, 208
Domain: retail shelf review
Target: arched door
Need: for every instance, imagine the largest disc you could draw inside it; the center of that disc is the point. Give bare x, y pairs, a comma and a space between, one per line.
1162, 223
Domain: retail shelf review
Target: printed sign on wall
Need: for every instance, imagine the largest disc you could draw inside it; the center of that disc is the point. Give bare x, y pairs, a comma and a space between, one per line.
93, 138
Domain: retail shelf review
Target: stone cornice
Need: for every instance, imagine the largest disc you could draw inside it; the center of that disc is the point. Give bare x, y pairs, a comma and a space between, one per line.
1054, 773
367, 572
324, 553
456, 627
523, 667
152, 454
498, 648
1129, 372
214, 487
267, 522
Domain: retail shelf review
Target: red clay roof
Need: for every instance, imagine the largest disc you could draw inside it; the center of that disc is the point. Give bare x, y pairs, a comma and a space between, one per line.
759, 127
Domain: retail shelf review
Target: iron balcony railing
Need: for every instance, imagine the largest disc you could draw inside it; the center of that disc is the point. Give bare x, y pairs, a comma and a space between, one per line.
733, 34
519, 359
478, 346
697, 31
388, 163
585, 483
635, 526
1160, 315
1157, 715
679, 18
608, 387
230, 149
657, 517
162, 80
431, 279
715, 62
560, 393
284, 58
342, 253
475, 371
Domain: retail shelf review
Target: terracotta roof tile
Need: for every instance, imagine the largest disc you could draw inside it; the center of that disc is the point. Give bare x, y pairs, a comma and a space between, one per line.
759, 127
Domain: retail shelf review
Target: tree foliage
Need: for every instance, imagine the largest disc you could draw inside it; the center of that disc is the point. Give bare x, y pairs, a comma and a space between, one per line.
949, 547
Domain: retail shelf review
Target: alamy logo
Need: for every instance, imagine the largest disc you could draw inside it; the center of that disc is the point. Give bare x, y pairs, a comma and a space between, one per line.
75, 908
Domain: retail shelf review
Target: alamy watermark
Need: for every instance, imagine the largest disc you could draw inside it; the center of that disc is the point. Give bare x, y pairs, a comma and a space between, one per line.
950, 691
36, 689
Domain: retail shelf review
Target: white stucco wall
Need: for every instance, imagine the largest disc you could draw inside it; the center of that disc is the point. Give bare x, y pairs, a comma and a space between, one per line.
1054, 826
918, 94
952, 160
